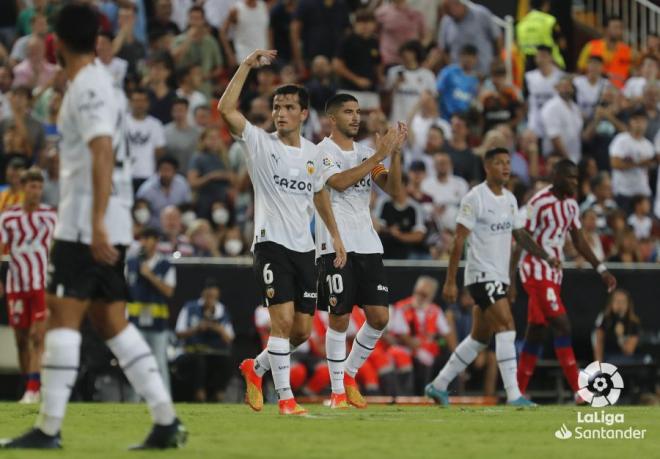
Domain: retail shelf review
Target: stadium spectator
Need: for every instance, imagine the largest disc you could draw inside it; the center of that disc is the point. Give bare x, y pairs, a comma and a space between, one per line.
51, 171
617, 56
165, 188
590, 86
126, 45
321, 85
408, 81
6, 80
640, 220
141, 217
631, 156
500, 101
157, 82
39, 25
617, 330
20, 99
420, 328
469, 24
603, 125
205, 329
446, 190
528, 149
216, 11
105, 56
591, 234
161, 21
600, 200
173, 242
197, 47
458, 84
358, 63
315, 27
400, 223
34, 71
232, 243
180, 137
145, 136
562, 123
36, 7
634, 87
416, 177
466, 163
190, 83
399, 24
540, 86
209, 174
247, 24
650, 104
151, 281
539, 27
422, 118
201, 237
281, 15
202, 117
626, 250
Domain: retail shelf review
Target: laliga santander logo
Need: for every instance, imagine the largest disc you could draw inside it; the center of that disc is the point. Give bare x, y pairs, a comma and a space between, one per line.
600, 384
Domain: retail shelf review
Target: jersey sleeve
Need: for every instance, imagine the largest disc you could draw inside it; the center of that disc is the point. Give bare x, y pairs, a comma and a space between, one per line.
575, 210
327, 169
95, 113
252, 138
468, 211
4, 235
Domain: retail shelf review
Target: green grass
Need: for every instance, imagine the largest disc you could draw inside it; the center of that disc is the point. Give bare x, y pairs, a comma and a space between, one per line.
383, 432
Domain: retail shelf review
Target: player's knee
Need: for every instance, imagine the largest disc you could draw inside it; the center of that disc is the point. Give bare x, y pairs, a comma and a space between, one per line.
378, 317
299, 336
22, 338
339, 323
36, 339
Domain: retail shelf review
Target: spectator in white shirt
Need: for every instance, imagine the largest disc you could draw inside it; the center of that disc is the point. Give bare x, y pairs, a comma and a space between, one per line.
639, 220
423, 116
540, 87
247, 24
106, 57
634, 88
590, 86
562, 123
446, 190
190, 80
631, 156
146, 138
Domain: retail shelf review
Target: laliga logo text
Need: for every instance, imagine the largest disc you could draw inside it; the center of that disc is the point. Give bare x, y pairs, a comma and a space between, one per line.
600, 385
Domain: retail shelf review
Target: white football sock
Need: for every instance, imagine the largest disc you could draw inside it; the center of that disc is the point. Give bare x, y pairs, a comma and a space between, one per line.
505, 352
464, 355
140, 367
280, 366
364, 342
261, 363
58, 375
335, 351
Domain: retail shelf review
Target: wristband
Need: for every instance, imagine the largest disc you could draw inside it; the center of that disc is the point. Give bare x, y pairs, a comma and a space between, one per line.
601, 268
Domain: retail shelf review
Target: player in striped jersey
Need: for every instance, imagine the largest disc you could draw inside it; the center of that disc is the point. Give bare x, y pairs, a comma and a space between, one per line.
27, 230
552, 213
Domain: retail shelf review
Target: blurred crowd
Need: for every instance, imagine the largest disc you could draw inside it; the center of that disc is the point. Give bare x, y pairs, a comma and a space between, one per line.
436, 64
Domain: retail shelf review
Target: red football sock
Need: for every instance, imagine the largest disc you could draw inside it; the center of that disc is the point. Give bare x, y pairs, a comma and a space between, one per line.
568, 364
526, 364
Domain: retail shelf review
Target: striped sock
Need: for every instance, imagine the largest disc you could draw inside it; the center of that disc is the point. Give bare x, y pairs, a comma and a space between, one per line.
365, 342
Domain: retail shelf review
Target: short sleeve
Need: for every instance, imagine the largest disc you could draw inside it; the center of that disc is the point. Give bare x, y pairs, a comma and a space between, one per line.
253, 138
159, 134
551, 122
170, 277
442, 324
617, 147
95, 113
327, 168
520, 218
575, 212
468, 211
656, 142
182, 320
419, 218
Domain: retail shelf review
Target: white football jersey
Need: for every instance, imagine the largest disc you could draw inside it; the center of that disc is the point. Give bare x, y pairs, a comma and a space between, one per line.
92, 107
351, 207
284, 179
490, 219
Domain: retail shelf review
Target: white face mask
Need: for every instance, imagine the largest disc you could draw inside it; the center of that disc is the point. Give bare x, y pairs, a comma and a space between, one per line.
142, 215
233, 247
188, 217
220, 216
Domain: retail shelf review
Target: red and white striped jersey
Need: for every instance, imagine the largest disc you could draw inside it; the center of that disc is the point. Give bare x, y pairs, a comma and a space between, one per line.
27, 237
548, 220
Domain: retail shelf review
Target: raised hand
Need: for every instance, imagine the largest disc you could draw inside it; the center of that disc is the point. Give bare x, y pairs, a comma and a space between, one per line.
260, 57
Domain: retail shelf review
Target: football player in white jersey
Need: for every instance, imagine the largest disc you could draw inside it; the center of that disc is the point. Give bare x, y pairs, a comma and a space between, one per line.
288, 175
487, 218
86, 271
362, 281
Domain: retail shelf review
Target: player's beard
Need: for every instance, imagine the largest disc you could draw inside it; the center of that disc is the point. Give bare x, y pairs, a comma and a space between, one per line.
349, 131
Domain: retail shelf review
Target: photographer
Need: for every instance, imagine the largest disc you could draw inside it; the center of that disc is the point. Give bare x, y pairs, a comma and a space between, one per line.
151, 281
205, 327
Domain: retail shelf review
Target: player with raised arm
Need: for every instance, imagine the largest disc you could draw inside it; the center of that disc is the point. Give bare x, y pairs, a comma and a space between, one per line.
288, 175
27, 231
86, 270
487, 219
362, 281
552, 213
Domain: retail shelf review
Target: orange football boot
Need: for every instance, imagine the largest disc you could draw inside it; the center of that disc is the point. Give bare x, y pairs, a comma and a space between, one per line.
290, 407
353, 394
339, 402
254, 396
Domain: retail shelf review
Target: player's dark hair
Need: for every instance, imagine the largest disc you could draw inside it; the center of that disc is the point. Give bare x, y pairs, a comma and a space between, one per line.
32, 174
490, 154
414, 46
469, 50
290, 89
77, 26
181, 101
168, 159
337, 101
562, 167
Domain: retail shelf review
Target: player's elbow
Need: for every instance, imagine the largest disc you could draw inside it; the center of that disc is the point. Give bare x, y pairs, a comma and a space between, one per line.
337, 184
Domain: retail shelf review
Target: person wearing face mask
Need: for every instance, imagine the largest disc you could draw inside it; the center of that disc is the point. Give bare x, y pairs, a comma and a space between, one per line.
562, 122
151, 282
232, 245
165, 188
141, 216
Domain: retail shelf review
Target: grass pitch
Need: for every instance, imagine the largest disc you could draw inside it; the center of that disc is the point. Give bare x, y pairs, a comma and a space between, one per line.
383, 432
